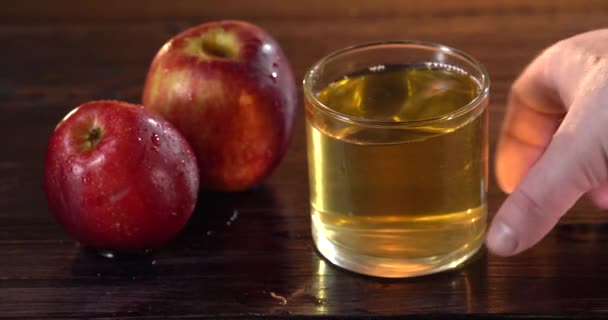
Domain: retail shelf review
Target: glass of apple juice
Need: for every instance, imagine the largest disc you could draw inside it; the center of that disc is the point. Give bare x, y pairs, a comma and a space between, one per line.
397, 137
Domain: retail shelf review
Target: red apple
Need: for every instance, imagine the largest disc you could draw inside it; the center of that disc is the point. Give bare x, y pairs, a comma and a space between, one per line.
120, 177
227, 86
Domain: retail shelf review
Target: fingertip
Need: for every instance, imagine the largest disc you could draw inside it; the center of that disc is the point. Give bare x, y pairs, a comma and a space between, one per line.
501, 240
506, 178
505, 182
514, 159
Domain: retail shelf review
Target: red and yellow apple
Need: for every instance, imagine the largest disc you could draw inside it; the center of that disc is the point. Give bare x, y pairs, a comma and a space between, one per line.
227, 86
120, 177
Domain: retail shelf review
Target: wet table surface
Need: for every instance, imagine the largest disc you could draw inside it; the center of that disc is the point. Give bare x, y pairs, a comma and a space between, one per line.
250, 254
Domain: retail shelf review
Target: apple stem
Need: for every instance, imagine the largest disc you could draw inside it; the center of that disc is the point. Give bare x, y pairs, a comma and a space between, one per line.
93, 137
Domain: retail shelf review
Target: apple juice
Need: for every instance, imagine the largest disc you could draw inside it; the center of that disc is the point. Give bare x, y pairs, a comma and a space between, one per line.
418, 198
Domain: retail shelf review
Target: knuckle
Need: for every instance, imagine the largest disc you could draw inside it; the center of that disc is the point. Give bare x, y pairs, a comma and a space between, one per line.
533, 208
584, 157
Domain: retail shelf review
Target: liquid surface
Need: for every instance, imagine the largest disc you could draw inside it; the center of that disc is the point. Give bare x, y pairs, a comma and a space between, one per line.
401, 93
416, 205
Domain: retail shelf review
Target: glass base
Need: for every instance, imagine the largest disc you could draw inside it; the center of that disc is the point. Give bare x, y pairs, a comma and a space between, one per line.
391, 268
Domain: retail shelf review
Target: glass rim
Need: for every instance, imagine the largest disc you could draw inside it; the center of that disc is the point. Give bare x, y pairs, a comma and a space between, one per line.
473, 104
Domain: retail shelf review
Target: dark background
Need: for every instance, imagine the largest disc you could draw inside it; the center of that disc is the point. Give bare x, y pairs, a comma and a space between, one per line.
55, 55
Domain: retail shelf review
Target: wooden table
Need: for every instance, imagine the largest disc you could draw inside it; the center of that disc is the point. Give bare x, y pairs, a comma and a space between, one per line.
56, 55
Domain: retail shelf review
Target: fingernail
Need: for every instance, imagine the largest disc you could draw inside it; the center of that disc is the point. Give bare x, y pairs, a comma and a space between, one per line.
501, 239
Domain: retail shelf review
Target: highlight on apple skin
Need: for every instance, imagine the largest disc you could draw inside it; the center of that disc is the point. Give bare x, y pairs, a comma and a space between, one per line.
120, 177
228, 87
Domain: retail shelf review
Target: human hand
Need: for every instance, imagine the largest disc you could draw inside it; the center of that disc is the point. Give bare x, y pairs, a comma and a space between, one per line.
553, 147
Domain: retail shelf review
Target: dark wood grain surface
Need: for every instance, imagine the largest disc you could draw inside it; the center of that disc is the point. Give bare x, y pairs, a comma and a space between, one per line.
56, 55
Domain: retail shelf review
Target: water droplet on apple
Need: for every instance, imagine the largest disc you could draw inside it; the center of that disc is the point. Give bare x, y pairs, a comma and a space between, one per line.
77, 169
273, 77
155, 140
84, 180
107, 254
267, 48
139, 139
173, 213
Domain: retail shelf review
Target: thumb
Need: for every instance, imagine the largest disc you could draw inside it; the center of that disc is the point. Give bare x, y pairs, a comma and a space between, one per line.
550, 188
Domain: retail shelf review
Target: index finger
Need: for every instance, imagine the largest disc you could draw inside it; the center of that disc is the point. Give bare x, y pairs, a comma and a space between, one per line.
534, 112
